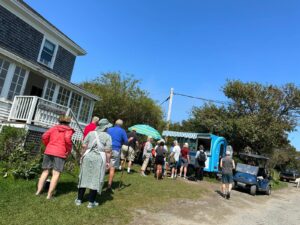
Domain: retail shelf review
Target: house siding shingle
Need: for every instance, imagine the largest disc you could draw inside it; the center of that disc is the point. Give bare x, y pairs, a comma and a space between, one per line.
22, 39
64, 63
19, 37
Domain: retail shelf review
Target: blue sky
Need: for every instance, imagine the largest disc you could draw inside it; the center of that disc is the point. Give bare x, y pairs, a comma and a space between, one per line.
190, 45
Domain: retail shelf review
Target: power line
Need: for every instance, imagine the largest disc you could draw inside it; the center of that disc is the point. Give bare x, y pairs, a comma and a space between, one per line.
167, 99
204, 99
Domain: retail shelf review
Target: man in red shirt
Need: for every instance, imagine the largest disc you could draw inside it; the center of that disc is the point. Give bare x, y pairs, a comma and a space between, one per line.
91, 127
185, 159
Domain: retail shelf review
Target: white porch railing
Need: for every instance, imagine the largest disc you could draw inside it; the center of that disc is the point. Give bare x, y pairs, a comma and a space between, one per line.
41, 112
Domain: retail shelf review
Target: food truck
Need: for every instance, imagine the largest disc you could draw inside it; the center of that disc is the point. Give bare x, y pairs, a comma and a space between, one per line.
214, 146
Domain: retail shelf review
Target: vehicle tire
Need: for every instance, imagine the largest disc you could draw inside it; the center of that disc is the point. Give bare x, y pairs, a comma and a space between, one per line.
268, 191
253, 190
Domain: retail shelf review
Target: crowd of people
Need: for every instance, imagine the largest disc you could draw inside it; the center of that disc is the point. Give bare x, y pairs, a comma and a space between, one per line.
108, 147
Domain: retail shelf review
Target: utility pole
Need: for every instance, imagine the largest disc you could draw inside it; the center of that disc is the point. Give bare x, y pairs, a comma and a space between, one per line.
170, 108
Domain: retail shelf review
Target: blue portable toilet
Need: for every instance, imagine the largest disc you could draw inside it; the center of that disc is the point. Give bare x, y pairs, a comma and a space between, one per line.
214, 146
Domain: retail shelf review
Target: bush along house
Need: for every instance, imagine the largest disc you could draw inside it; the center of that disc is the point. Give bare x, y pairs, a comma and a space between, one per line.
36, 63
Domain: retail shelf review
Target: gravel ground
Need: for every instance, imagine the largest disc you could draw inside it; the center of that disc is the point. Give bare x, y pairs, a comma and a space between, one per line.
281, 208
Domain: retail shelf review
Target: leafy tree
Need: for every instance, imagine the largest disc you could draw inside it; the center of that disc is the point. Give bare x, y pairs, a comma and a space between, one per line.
258, 116
122, 98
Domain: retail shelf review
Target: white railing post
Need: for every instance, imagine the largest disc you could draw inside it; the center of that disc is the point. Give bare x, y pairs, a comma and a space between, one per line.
12, 109
32, 110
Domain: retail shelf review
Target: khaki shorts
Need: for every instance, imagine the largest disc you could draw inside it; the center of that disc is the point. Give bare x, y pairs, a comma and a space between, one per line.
128, 153
115, 159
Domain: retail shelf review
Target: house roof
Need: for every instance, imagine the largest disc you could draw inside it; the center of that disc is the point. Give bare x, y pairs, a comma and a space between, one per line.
39, 19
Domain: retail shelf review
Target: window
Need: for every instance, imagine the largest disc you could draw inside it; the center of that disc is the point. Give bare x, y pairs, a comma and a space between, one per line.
50, 91
3, 72
47, 54
63, 96
75, 103
85, 110
16, 83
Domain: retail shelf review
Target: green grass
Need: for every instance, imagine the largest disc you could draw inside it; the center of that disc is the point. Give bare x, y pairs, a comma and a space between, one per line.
19, 205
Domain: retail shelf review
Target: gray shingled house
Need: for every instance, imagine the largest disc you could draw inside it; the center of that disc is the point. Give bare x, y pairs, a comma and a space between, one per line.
36, 63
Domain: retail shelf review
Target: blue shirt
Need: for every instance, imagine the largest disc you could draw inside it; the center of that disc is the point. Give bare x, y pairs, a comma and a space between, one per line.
118, 136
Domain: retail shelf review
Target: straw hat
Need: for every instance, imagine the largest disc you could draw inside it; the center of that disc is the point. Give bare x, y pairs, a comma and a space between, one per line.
64, 119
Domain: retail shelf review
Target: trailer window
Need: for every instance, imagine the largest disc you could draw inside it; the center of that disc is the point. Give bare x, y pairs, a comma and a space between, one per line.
206, 142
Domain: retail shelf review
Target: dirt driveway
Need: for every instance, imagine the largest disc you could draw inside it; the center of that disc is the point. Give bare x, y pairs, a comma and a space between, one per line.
281, 208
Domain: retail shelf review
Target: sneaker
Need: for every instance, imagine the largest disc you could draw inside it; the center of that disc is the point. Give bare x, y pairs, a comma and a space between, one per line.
143, 174
184, 178
96, 203
78, 202
92, 205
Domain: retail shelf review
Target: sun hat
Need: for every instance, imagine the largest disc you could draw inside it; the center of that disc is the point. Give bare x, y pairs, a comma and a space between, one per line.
64, 119
103, 124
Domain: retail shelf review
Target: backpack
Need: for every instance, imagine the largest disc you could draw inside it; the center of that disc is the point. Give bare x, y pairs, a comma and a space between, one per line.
202, 157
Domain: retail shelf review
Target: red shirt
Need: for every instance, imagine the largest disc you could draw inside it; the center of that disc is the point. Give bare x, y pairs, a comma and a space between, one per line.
88, 129
184, 152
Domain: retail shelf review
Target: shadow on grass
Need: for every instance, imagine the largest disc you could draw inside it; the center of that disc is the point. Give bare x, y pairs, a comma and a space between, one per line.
66, 187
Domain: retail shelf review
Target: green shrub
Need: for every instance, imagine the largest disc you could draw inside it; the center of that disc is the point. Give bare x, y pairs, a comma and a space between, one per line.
16, 158
11, 138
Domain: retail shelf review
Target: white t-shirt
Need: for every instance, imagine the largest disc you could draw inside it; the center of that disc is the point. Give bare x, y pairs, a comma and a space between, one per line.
176, 151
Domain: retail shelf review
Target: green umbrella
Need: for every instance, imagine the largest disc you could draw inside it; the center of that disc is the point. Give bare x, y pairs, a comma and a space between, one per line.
146, 130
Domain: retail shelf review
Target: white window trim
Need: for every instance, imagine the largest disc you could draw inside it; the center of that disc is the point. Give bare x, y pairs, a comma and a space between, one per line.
55, 95
8, 80
24, 82
45, 88
54, 54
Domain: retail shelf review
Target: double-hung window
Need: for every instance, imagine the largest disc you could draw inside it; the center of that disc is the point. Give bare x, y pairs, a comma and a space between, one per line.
4, 65
85, 110
75, 103
47, 54
63, 96
50, 90
17, 82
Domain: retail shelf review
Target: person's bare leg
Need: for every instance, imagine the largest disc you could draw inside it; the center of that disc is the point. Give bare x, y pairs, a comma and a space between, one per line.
111, 176
129, 166
185, 171
42, 181
172, 172
223, 189
229, 187
53, 183
180, 172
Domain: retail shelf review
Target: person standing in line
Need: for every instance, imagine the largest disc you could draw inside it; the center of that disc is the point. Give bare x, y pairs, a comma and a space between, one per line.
91, 127
95, 160
185, 160
160, 153
58, 144
201, 158
147, 155
119, 137
176, 155
227, 165
128, 151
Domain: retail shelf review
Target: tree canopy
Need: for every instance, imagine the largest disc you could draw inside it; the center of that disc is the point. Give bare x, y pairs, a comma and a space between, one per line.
122, 98
257, 116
